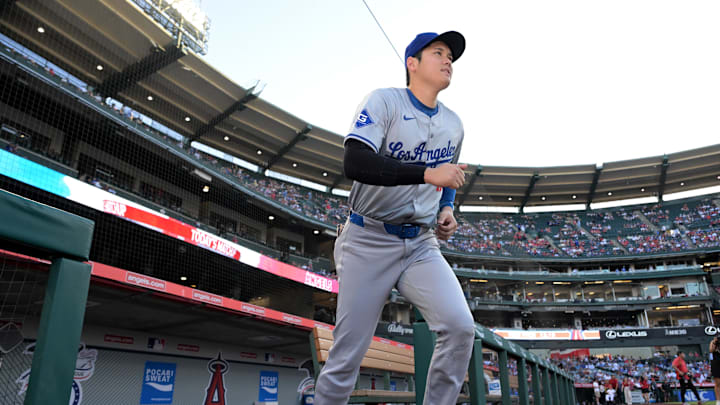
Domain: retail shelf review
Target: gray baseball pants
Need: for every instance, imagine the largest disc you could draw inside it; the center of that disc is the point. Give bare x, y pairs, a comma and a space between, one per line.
369, 263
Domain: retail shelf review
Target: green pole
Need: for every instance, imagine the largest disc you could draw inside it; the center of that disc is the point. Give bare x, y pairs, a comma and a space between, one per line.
424, 346
555, 388
537, 392
523, 394
477, 375
504, 376
61, 320
547, 393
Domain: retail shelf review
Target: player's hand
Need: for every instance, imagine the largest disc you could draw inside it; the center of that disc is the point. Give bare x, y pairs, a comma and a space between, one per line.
446, 224
446, 175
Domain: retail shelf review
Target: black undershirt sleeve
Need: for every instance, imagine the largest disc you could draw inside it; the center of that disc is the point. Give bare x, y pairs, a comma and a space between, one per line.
362, 164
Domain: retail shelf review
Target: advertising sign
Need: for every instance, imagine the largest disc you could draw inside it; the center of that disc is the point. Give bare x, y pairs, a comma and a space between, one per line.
158, 383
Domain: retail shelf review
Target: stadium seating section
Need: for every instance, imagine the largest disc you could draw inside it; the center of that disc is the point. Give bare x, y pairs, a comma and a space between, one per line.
639, 230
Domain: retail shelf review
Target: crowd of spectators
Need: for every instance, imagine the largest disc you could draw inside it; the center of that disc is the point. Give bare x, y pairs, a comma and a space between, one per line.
570, 234
661, 241
704, 213
656, 214
589, 369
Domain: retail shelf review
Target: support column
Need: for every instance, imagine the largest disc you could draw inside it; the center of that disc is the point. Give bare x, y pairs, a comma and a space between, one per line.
523, 392
504, 376
424, 346
536, 383
547, 393
555, 388
61, 321
477, 375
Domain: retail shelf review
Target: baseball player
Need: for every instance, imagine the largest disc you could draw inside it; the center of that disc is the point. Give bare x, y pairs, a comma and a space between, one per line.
402, 152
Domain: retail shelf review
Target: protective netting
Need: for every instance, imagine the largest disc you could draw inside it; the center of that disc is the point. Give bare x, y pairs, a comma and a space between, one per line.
22, 288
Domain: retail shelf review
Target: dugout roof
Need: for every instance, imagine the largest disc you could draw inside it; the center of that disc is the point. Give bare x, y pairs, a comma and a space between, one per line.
140, 59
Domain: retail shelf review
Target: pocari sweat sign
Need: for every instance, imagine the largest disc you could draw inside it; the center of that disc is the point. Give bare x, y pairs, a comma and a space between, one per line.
268, 386
158, 383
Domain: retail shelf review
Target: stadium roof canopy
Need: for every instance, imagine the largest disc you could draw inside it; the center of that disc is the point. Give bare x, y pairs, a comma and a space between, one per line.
140, 59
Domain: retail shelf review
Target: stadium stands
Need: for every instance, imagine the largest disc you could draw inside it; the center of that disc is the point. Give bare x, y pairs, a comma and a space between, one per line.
590, 368
609, 232
70, 127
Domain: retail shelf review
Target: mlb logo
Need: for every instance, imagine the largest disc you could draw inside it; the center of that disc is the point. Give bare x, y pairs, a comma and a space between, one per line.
156, 344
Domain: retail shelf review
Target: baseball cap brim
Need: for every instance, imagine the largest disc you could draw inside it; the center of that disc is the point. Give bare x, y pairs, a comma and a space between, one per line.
454, 40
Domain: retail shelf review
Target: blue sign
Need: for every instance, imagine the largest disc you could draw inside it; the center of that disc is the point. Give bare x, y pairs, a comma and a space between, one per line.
393, 386
158, 383
268, 386
707, 395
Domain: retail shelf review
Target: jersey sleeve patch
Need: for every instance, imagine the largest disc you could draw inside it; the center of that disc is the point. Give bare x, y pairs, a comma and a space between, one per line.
363, 119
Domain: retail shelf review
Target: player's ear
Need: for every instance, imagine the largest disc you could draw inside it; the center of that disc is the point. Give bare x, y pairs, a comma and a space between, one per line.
411, 64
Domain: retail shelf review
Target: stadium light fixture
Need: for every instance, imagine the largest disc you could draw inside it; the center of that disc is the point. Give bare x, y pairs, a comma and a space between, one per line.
509, 198
544, 198
642, 190
99, 67
150, 98
325, 174
206, 189
41, 30
259, 152
193, 285
294, 164
574, 196
562, 282
609, 192
718, 177
316, 232
672, 307
183, 278
480, 197
187, 119
270, 217
474, 280
226, 138
622, 281
682, 183
539, 282
594, 282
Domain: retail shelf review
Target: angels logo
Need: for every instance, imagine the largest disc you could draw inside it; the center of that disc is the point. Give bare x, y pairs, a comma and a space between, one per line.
307, 384
215, 393
84, 369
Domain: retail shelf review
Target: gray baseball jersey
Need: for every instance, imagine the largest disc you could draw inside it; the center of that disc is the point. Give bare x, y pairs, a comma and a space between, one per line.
395, 124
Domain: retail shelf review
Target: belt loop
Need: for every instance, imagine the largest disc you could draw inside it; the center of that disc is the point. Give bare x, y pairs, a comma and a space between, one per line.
357, 219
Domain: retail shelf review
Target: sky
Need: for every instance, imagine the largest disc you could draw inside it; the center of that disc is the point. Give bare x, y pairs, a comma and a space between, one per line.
541, 83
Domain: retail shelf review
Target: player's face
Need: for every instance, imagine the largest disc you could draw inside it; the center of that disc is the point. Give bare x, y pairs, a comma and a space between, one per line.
435, 67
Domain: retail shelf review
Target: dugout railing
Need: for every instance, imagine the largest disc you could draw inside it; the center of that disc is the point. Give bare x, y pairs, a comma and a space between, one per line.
40, 231
549, 385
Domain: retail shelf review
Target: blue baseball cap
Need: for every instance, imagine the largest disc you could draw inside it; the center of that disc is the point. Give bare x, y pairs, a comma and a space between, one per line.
453, 39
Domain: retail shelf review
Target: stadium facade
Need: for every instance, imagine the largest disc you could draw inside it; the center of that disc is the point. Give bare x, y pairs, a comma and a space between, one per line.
209, 273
